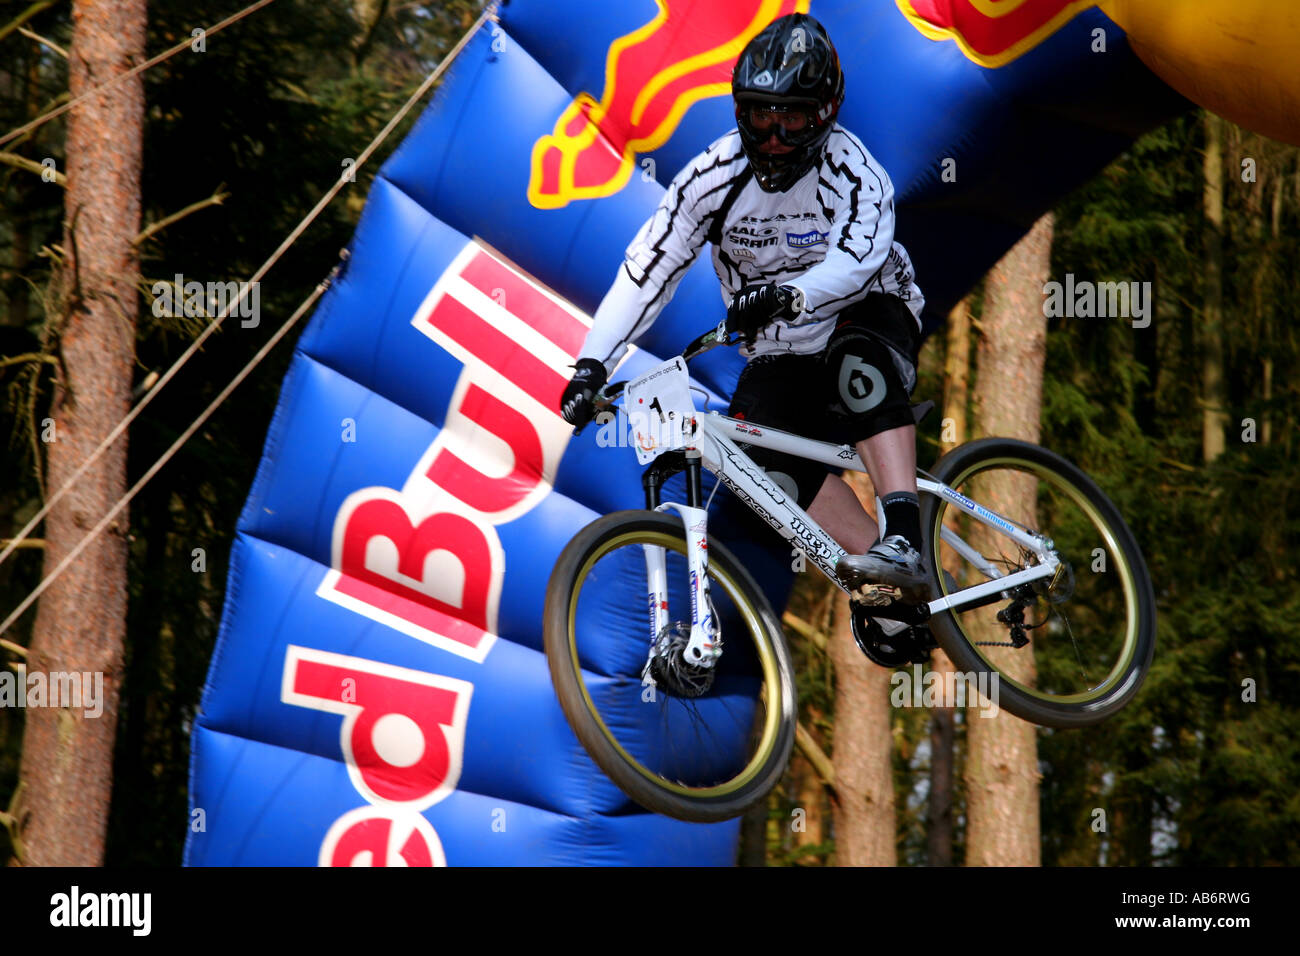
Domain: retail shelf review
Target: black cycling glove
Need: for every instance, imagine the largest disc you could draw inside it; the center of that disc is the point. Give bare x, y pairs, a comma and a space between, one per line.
575, 404
755, 307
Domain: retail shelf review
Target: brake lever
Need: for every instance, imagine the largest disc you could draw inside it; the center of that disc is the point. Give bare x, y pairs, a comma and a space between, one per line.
603, 402
718, 336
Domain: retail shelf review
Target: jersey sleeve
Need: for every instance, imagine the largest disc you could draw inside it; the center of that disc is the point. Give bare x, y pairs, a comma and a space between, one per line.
858, 198
660, 255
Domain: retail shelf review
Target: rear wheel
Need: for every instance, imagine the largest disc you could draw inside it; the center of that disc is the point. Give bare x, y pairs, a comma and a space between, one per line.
1087, 634
699, 747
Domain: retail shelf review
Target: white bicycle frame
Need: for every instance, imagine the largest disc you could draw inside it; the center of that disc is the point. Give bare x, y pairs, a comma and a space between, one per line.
714, 438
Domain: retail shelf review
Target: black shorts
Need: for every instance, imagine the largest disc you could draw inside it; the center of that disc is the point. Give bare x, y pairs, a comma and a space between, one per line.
856, 387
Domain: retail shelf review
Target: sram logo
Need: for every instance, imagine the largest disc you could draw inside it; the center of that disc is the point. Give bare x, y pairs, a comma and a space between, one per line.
426, 559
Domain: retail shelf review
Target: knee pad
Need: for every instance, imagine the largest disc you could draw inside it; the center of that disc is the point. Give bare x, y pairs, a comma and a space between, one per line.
784, 391
870, 383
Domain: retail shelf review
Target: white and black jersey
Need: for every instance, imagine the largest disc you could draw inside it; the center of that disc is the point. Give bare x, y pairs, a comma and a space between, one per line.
831, 235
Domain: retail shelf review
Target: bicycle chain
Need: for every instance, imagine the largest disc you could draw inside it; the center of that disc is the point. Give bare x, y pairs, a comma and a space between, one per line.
1018, 640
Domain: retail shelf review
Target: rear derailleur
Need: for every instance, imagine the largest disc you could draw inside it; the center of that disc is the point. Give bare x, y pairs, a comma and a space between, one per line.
1013, 616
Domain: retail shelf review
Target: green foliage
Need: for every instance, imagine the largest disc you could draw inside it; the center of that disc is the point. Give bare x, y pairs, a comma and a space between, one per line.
1189, 774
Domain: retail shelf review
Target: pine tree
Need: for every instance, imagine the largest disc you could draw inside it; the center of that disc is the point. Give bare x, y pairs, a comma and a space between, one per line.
67, 760
1002, 759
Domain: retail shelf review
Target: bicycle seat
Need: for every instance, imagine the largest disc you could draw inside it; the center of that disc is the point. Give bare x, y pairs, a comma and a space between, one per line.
921, 409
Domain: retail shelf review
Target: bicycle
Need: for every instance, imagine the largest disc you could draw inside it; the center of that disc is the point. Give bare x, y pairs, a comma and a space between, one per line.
688, 731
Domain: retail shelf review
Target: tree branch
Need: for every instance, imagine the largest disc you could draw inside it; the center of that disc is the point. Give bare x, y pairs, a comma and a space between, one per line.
805, 629
28, 357
13, 648
43, 42
1178, 464
816, 756
12, 821
26, 15
57, 101
216, 199
22, 162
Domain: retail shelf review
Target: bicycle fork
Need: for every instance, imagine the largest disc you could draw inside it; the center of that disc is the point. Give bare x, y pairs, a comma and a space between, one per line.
704, 646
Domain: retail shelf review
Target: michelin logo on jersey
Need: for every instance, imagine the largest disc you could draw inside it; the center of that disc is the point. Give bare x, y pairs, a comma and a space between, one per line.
378, 694
804, 240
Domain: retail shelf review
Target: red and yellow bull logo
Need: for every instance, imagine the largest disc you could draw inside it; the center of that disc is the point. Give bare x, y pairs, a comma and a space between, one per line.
992, 32
652, 76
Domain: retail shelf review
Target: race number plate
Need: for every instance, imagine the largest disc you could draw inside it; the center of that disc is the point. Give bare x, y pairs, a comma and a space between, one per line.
658, 406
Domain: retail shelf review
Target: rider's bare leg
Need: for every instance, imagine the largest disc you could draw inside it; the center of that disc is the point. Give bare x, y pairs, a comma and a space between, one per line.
890, 458
837, 509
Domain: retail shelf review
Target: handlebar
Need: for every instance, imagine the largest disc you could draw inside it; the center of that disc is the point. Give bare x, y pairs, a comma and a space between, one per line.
603, 401
709, 340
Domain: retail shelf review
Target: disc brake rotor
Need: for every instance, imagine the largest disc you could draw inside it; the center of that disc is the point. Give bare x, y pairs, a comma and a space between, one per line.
670, 670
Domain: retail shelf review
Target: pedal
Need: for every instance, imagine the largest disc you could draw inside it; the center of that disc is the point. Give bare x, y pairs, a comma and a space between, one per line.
875, 595
890, 628
896, 648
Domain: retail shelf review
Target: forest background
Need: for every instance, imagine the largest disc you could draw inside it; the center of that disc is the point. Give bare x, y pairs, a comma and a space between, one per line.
1187, 423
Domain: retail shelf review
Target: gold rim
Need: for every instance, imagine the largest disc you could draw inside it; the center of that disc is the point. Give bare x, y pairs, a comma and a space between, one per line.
1045, 472
770, 692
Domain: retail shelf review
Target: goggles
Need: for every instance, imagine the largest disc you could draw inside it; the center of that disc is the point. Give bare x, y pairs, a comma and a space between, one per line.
769, 118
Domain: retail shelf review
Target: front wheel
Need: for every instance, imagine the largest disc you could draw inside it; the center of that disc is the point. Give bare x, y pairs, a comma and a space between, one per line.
1086, 635
698, 755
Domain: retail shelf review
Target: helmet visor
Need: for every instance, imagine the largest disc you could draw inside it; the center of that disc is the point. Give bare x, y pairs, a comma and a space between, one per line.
765, 117
792, 122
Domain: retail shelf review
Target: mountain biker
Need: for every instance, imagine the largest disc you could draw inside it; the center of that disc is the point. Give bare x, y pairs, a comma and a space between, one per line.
801, 218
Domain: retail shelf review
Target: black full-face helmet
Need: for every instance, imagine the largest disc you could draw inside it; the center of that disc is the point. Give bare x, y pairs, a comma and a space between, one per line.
788, 83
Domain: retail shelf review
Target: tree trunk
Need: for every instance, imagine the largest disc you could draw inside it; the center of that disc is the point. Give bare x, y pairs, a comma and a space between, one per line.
809, 791
368, 14
1275, 234
956, 376
943, 729
1213, 415
753, 836
956, 391
865, 829
1001, 757
67, 760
